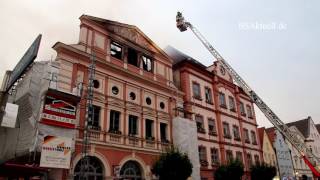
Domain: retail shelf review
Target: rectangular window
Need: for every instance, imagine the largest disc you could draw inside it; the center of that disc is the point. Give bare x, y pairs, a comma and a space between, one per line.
163, 132
147, 63
222, 100
232, 104
149, 129
246, 135
208, 95
253, 138
229, 155
95, 122
249, 111
212, 127
242, 110
236, 133
214, 156
196, 90
116, 50
114, 122
249, 160
226, 130
133, 128
239, 156
256, 159
132, 57
200, 124
203, 155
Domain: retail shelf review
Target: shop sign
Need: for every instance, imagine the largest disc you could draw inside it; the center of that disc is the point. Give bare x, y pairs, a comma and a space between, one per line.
56, 152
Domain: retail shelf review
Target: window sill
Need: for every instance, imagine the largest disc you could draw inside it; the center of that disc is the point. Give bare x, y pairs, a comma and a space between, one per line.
233, 110
114, 57
223, 106
133, 135
251, 117
201, 130
95, 128
115, 132
197, 98
255, 143
213, 133
237, 139
209, 102
227, 136
165, 141
204, 163
150, 139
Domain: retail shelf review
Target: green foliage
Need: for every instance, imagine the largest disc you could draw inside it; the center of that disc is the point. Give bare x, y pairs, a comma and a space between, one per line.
233, 170
172, 165
263, 172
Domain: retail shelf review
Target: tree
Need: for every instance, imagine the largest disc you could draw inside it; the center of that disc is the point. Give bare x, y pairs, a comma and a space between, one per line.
232, 170
172, 165
263, 172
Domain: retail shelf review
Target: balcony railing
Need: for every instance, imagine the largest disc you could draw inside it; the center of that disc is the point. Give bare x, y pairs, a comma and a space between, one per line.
127, 140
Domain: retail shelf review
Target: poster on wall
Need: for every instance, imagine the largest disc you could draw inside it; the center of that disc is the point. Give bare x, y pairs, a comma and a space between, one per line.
56, 152
10, 116
58, 112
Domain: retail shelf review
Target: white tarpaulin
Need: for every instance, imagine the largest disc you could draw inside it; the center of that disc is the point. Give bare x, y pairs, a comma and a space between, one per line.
56, 152
185, 137
10, 116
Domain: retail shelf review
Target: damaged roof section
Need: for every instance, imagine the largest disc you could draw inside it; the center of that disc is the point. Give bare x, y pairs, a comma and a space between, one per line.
179, 57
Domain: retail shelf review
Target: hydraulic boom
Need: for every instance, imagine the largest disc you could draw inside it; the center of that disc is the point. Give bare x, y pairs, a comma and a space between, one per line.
306, 154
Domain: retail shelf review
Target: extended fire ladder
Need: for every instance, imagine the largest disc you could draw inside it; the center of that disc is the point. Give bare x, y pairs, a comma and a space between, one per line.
306, 154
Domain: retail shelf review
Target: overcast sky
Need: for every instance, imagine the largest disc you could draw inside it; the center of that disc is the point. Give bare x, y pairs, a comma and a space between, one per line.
273, 45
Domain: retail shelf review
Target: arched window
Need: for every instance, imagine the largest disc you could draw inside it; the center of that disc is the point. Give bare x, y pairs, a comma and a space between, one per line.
94, 170
131, 170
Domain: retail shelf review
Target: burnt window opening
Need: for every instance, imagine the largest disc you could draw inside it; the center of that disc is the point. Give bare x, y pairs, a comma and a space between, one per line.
133, 57
96, 84
148, 100
115, 90
116, 50
147, 63
162, 105
132, 95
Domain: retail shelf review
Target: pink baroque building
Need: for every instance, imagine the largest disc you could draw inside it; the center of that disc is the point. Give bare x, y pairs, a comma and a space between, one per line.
134, 98
224, 114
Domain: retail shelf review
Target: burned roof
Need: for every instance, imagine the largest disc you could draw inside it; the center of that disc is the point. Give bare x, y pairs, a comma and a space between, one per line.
178, 57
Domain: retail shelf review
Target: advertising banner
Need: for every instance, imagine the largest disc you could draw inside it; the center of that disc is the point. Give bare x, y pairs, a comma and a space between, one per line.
58, 112
56, 152
10, 116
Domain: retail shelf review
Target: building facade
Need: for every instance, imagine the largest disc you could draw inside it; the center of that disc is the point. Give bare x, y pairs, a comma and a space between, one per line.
307, 132
224, 114
134, 98
269, 156
44, 112
283, 154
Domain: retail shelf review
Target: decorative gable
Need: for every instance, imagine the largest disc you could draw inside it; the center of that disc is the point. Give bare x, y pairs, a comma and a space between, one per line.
128, 32
220, 71
132, 35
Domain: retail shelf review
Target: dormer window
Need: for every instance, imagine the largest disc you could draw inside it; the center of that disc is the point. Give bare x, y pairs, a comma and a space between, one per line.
116, 50
147, 63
